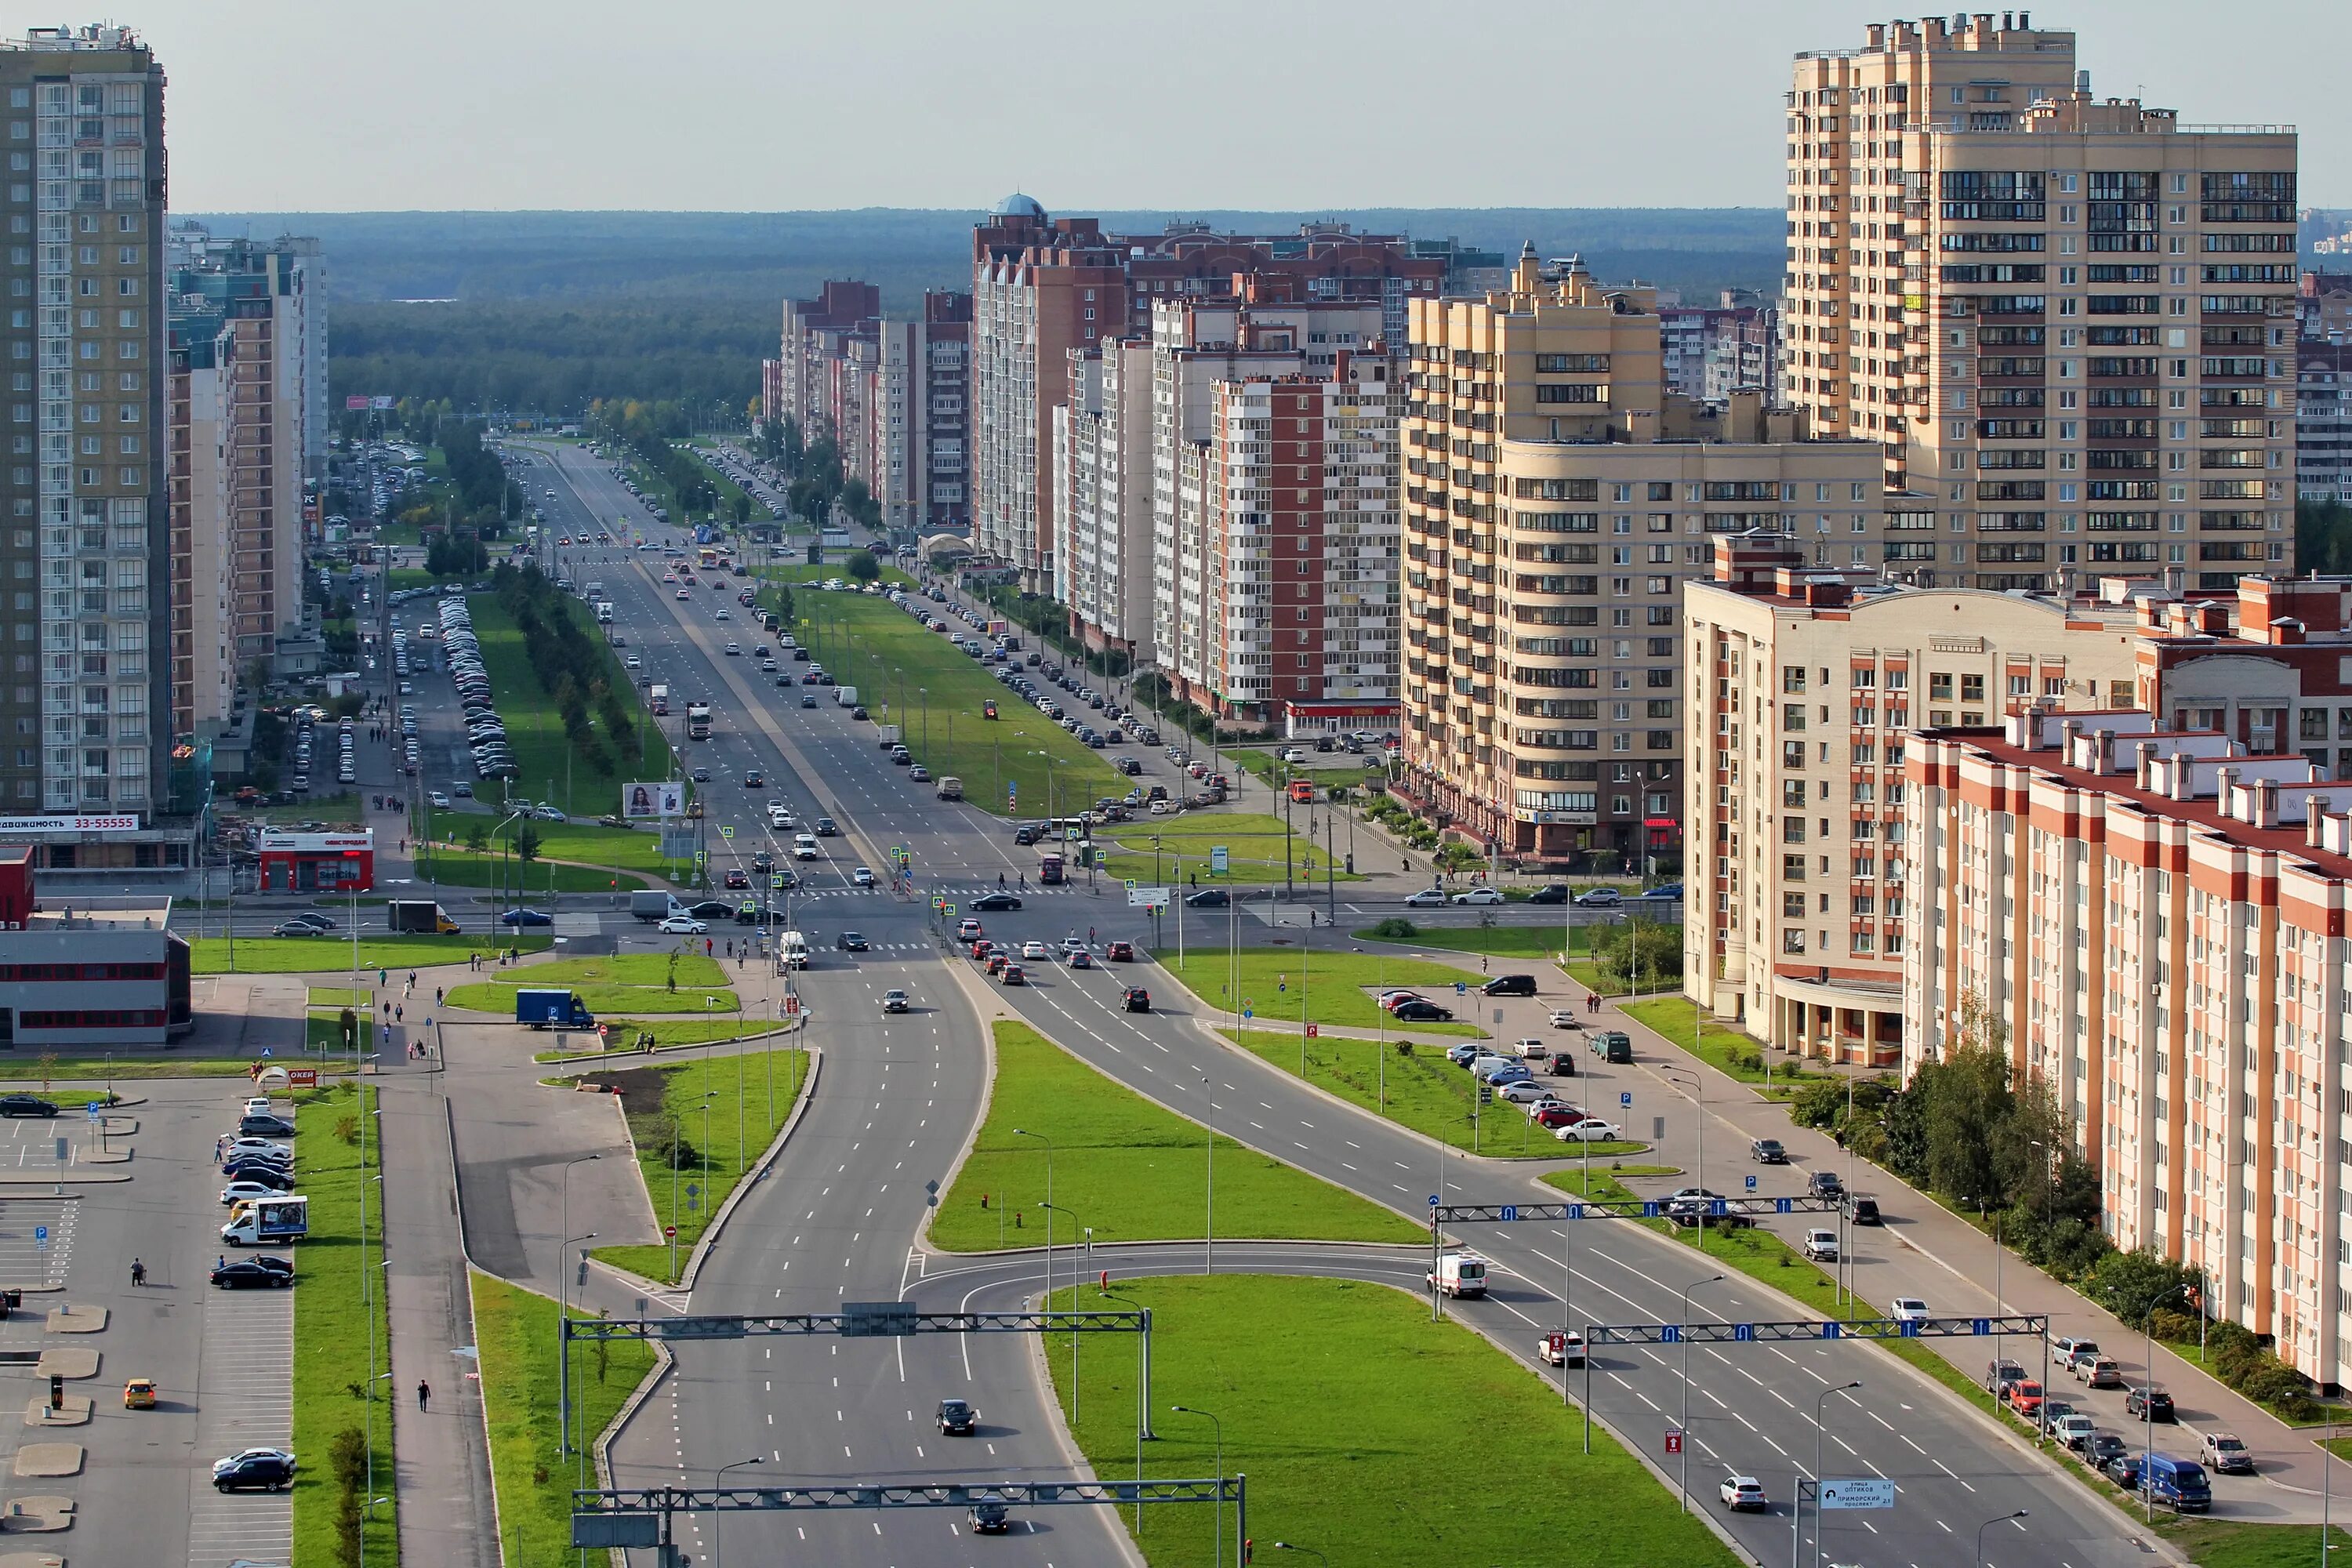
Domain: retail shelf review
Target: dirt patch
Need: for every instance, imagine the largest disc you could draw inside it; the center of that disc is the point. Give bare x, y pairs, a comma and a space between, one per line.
640, 1089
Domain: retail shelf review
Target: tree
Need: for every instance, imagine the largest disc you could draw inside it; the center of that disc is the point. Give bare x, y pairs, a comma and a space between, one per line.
527, 842
863, 567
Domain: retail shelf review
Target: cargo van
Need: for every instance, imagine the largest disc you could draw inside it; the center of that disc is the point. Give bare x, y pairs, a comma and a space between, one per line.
804, 847
1610, 1046
2179, 1484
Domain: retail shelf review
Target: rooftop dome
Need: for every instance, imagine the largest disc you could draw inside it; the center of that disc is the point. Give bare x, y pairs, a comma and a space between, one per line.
1018, 206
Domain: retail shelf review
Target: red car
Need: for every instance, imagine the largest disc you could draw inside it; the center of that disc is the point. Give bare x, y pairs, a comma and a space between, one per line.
982, 948
737, 879
1120, 952
1014, 975
999, 961
1558, 1116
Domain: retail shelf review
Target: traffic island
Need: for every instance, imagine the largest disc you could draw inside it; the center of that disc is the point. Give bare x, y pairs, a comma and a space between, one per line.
37, 1515
49, 1461
76, 1319
75, 1362
70, 1410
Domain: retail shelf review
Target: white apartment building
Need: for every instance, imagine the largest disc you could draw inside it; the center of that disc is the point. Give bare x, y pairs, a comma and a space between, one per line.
1102, 474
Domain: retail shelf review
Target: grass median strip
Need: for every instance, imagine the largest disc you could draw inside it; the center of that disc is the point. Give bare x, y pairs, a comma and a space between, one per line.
334, 1264
1333, 1395
1419, 1088
515, 1334
698, 1126
638, 982
330, 954
1126, 1167
668, 1034
1310, 984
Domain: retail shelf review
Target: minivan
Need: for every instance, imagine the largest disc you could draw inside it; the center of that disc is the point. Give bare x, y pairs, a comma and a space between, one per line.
1610, 1046
2179, 1484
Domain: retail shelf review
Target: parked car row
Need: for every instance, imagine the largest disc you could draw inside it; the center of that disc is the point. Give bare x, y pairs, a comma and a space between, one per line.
485, 733
263, 1210
2176, 1482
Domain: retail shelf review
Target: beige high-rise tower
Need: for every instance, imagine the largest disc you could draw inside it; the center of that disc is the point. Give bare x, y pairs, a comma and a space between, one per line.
2067, 320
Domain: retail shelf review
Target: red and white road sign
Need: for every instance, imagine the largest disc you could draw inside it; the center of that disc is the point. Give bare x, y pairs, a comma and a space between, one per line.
1674, 1440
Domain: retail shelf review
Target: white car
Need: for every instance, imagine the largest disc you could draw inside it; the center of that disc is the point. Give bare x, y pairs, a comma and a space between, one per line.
1524, 1092
725, 616
1566, 1019
259, 1191
1427, 898
861, 875
439, 798
550, 814
733, 649
261, 1146
1743, 1494
1909, 1309
634, 662
1591, 1130
1821, 1245
1032, 951
1479, 896
682, 925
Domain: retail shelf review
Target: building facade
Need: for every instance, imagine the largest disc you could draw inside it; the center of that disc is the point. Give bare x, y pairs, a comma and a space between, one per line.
2322, 435
1801, 687
2153, 923
892, 394
2066, 321
1556, 497
87, 704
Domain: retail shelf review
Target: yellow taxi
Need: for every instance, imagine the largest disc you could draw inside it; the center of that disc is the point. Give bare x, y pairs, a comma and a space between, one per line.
139, 1394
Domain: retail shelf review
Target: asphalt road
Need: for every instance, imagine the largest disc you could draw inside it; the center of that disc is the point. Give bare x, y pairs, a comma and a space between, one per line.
1751, 1408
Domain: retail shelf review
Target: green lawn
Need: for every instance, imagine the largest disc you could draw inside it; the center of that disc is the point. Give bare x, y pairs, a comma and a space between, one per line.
1722, 1048
667, 1033
585, 841
1278, 1359
96, 1069
331, 1324
1535, 943
1126, 1167
536, 732
1254, 842
514, 1331
1605, 1186
308, 955
749, 1099
859, 637
1333, 988
602, 997
1424, 1091
525, 882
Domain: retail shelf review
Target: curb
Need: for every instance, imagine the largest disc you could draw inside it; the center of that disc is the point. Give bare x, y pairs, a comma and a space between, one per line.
752, 1175
965, 983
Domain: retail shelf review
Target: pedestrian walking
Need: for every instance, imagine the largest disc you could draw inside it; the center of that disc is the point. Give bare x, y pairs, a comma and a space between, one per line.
424, 1394
138, 1272
436, 995
399, 1012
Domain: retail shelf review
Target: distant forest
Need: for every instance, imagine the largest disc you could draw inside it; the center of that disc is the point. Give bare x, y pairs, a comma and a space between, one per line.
546, 311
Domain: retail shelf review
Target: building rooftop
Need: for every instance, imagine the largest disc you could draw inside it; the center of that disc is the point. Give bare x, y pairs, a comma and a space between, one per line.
103, 914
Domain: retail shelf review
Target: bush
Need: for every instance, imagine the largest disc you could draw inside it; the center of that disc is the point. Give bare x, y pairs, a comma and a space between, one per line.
1394, 929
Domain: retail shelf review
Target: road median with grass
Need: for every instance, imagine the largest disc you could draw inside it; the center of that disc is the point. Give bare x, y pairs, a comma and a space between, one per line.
680, 983
335, 1264
1724, 1049
332, 954
699, 1127
1313, 984
1128, 1169
1368, 1432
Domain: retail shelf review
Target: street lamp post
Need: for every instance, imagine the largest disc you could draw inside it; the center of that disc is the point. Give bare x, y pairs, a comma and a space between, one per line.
1710, 1280
563, 1312
1052, 1208
2146, 1404
1819, 1400
1220, 1530
1023, 1132
718, 1544
1987, 1524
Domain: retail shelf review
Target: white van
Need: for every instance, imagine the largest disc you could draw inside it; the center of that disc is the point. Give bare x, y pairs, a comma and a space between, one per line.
804, 847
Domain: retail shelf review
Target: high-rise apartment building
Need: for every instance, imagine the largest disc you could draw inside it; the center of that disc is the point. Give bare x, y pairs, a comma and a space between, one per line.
1555, 499
85, 710
815, 333
1102, 500
2151, 921
204, 664
1802, 686
2064, 320
2323, 437
1042, 287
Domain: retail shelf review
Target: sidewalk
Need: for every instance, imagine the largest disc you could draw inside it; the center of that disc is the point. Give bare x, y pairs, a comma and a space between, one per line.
446, 1514
1929, 1252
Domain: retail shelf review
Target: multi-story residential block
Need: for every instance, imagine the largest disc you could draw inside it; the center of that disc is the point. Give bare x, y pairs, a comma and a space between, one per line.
2153, 921
1556, 496
1743, 349
1042, 287
1801, 687
295, 265
2323, 305
943, 416
2267, 670
1273, 505
1102, 500
86, 710
2065, 319
2323, 435
815, 331
205, 664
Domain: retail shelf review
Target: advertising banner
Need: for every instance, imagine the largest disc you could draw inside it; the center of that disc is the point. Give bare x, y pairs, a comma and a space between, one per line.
655, 799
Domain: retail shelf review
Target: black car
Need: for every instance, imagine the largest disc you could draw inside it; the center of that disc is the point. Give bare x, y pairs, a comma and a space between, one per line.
260, 1126
1510, 986
1025, 835
957, 1418
825, 828
1136, 999
1549, 893
246, 1274
1419, 1011
27, 1105
276, 1178
2124, 1470
712, 910
2146, 1404
1862, 1209
1767, 1152
1824, 1185
2103, 1448
851, 942
281, 1267
260, 1469
988, 1518
994, 902
1209, 898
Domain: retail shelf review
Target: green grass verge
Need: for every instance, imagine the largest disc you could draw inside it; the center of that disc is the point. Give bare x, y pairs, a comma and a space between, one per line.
331, 1324
639, 982
667, 1033
754, 1092
67, 1070
520, 1372
1254, 841
337, 997
1424, 1091
586, 841
1605, 1186
535, 732
1725, 1050
320, 954
526, 883
848, 632
1534, 944
1333, 988
1411, 1388
1126, 1167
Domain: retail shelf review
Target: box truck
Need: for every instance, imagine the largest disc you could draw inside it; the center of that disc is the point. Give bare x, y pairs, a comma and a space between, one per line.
419, 915
952, 788
792, 947
267, 1222
888, 735
845, 696
555, 1009
651, 905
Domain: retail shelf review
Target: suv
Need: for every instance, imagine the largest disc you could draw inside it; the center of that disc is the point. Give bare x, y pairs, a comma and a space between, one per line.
2099, 1371
957, 1418
267, 1469
2066, 1350
1510, 986
2226, 1454
1999, 1374
1824, 1185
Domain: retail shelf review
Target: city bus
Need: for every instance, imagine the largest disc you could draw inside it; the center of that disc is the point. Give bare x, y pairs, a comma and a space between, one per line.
709, 556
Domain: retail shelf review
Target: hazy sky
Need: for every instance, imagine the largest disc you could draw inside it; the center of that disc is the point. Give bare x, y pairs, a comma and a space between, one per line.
761, 105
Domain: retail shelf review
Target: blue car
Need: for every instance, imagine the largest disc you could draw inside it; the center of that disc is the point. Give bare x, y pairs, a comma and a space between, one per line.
526, 917
1670, 892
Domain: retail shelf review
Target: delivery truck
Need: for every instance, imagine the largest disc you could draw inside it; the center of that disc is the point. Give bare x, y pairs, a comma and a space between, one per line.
654, 905
657, 697
267, 1222
421, 916
552, 1009
845, 696
888, 735
793, 946
952, 788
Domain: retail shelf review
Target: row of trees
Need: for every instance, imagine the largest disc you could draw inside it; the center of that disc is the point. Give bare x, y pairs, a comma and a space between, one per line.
568, 659
481, 478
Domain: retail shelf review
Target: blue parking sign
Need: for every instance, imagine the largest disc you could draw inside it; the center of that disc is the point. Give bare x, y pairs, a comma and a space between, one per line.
1625, 1097
1751, 1184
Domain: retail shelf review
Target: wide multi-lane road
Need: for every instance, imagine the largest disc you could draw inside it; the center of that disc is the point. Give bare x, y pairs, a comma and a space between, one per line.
839, 1219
